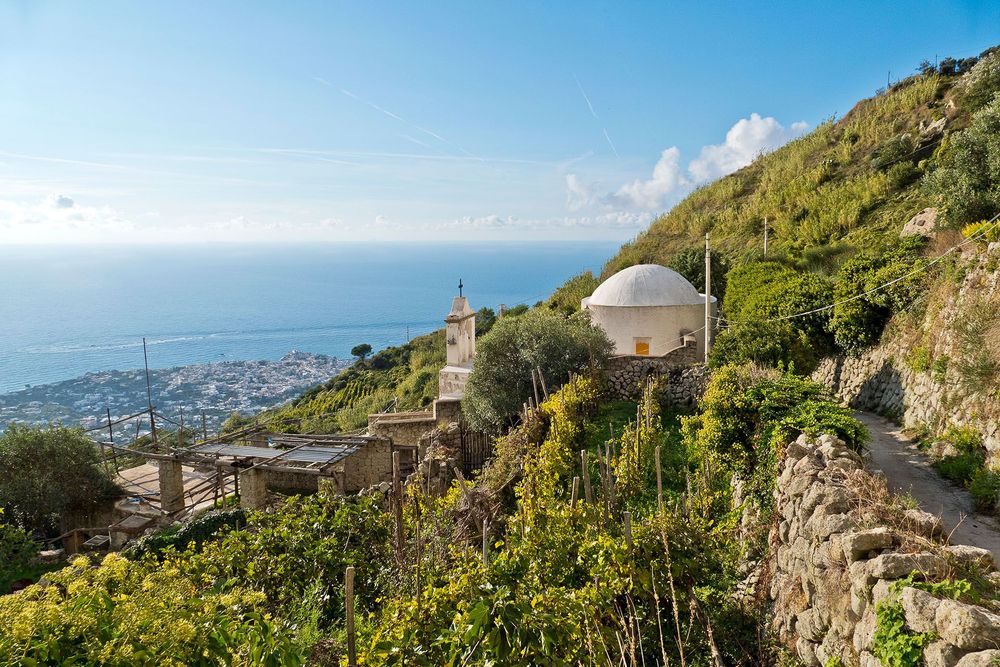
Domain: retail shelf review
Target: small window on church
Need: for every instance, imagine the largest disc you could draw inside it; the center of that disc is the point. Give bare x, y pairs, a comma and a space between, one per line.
642, 346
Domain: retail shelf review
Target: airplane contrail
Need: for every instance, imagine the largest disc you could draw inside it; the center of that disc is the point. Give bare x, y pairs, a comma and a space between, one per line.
611, 143
585, 97
430, 133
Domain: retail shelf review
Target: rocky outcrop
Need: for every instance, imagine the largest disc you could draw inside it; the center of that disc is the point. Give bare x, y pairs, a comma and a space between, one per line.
923, 223
838, 548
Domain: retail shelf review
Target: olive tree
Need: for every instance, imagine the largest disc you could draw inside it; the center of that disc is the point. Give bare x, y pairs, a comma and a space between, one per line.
500, 381
47, 473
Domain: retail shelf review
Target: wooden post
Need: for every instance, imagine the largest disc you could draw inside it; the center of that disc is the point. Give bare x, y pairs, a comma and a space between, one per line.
486, 542
541, 379
585, 472
204, 427
602, 467
420, 546
111, 439
534, 385
180, 433
397, 507
628, 529
576, 492
352, 649
659, 481
708, 298
611, 477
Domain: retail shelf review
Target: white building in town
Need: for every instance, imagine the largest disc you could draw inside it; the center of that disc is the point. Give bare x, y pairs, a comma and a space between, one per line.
649, 310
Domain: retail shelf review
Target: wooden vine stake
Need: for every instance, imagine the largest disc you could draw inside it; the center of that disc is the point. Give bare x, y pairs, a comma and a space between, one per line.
534, 385
588, 493
352, 649
397, 506
628, 529
541, 379
659, 482
486, 542
576, 492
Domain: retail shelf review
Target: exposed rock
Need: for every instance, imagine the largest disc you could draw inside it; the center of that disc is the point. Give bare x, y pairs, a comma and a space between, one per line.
941, 654
920, 608
924, 523
897, 566
922, 224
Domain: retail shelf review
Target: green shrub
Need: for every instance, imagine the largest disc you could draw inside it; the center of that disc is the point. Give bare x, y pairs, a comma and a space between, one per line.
772, 344
892, 151
962, 468
194, 533
985, 489
767, 290
690, 263
501, 382
17, 551
918, 358
566, 299
861, 313
967, 184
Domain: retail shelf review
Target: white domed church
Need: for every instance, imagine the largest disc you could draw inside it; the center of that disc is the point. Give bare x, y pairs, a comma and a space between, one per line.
649, 310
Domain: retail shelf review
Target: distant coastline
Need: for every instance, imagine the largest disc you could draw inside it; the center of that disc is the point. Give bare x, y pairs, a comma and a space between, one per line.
214, 389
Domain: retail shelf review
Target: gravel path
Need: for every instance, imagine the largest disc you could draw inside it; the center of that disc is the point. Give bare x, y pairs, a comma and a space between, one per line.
908, 470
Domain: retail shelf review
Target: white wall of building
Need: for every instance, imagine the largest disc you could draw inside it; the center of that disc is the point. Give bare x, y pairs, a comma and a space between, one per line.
664, 326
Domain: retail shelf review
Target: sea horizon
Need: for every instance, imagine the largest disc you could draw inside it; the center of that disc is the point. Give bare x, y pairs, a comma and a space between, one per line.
79, 309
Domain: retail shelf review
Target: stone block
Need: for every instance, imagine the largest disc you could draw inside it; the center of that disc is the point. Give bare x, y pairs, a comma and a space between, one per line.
897, 566
966, 626
859, 544
970, 556
924, 523
920, 608
941, 654
989, 658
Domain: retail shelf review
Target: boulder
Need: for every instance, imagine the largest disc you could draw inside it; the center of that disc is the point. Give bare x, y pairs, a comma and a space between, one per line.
897, 566
922, 224
924, 523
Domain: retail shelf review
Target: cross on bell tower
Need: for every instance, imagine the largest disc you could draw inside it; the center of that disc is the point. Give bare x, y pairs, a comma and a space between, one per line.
460, 286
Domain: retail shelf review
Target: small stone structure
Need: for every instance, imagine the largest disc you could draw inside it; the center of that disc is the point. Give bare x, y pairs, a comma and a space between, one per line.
460, 336
682, 381
649, 310
921, 224
832, 564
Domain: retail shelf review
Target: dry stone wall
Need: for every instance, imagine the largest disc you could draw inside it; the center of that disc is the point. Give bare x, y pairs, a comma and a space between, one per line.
682, 384
837, 550
920, 372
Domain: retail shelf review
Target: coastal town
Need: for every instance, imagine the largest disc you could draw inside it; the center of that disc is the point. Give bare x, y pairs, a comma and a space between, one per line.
216, 390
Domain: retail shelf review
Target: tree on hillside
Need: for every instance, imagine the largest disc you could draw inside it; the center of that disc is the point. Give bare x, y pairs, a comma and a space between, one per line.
690, 263
361, 351
501, 378
49, 473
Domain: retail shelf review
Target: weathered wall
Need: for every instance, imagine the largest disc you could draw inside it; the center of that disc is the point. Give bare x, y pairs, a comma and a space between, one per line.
370, 465
683, 380
405, 428
836, 549
663, 326
956, 329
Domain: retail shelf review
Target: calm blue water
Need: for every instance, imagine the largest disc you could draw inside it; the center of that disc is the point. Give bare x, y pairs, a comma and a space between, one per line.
69, 311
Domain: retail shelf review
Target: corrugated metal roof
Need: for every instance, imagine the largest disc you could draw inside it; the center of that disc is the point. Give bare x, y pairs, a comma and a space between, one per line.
307, 454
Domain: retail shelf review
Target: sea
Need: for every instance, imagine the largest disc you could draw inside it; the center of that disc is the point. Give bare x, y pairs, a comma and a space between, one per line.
67, 311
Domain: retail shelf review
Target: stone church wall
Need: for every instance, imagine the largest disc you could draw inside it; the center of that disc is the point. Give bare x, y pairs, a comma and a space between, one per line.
837, 550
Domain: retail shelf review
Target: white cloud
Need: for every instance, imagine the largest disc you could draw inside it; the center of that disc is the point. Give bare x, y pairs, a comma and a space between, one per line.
578, 193
745, 141
57, 218
668, 178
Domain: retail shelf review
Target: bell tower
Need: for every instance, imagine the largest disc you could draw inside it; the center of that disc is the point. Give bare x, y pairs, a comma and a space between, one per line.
460, 338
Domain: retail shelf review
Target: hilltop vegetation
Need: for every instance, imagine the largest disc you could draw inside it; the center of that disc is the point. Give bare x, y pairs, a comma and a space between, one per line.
849, 184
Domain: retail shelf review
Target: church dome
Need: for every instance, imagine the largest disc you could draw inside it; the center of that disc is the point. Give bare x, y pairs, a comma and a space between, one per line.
646, 285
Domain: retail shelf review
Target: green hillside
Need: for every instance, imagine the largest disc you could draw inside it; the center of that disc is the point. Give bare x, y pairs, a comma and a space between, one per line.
851, 182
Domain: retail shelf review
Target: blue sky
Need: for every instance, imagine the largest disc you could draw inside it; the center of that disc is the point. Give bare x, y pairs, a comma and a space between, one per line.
300, 121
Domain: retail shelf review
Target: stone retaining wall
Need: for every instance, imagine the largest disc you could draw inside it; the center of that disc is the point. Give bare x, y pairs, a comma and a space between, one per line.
836, 553
880, 381
682, 383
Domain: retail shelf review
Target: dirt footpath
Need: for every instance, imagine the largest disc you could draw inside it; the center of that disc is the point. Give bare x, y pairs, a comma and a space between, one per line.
908, 470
